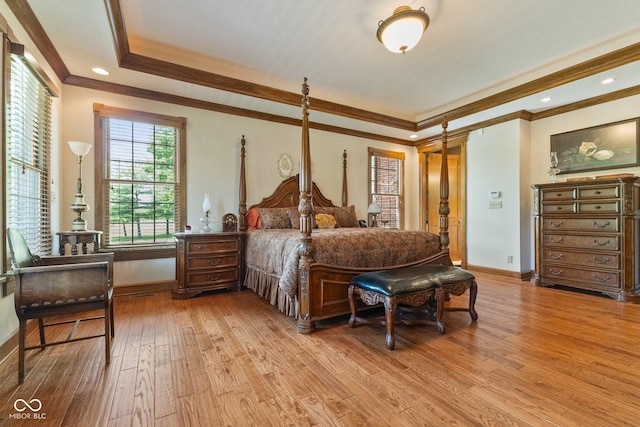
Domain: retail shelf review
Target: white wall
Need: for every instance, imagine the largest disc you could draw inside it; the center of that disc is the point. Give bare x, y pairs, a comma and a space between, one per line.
213, 160
493, 164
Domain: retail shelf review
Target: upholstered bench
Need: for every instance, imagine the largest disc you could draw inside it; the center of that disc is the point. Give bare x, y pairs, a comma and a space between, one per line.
415, 286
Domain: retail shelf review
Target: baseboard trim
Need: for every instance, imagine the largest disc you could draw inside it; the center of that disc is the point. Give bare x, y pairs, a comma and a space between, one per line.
504, 273
142, 288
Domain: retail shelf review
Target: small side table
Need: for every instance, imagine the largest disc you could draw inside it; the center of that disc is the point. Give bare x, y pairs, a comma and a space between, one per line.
79, 237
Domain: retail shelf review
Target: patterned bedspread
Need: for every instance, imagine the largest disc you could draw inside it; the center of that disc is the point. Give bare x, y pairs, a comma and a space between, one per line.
274, 253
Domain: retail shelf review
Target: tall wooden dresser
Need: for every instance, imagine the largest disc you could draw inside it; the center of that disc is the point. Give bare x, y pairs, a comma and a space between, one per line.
207, 261
587, 236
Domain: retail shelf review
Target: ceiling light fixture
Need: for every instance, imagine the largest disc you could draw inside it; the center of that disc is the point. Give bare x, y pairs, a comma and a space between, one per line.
607, 81
413, 136
100, 71
546, 99
402, 31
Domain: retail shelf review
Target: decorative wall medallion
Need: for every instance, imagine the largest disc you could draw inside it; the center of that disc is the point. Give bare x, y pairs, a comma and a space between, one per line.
285, 165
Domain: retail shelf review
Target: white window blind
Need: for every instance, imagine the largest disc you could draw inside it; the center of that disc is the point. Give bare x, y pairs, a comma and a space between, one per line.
142, 186
28, 141
386, 187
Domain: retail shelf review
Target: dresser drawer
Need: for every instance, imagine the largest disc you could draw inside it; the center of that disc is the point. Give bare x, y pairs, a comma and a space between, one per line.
214, 261
548, 208
213, 277
600, 278
589, 242
223, 245
581, 224
559, 194
599, 207
608, 192
599, 260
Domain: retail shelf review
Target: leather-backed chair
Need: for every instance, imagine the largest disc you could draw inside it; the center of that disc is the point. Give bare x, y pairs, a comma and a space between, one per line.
59, 286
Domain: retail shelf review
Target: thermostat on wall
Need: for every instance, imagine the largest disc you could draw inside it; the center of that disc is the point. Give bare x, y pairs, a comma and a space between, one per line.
494, 195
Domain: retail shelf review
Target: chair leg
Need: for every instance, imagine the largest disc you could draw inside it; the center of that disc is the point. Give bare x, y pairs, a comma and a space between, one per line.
390, 307
41, 330
113, 325
22, 332
107, 332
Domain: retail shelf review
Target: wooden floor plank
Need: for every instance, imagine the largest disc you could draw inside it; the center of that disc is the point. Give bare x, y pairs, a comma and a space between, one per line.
535, 357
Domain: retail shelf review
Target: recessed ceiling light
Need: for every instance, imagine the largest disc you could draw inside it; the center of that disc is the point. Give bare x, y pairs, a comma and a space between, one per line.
100, 71
546, 99
608, 80
413, 136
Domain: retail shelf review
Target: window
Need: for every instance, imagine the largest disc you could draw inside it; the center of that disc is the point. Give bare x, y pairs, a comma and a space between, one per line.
28, 140
386, 174
140, 181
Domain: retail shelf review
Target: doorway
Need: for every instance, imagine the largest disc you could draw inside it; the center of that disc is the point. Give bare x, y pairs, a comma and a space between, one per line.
430, 164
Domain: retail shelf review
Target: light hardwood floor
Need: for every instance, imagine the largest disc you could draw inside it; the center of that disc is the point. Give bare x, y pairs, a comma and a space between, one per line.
536, 357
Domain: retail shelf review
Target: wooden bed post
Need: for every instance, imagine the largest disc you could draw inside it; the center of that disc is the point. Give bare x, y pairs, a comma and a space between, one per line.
305, 207
345, 194
242, 208
444, 191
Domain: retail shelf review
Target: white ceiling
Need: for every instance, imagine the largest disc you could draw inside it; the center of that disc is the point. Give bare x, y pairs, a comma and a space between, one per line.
471, 50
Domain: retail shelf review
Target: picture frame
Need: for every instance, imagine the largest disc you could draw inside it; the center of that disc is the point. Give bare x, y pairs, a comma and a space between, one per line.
609, 146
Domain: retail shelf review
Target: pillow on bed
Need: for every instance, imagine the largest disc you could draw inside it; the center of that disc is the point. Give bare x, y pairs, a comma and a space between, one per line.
346, 216
274, 217
253, 219
294, 216
325, 221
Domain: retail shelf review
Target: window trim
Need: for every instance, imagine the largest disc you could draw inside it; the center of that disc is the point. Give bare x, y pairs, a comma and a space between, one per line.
394, 155
130, 253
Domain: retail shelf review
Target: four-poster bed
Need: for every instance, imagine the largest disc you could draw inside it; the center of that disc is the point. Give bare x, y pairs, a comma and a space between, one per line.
305, 271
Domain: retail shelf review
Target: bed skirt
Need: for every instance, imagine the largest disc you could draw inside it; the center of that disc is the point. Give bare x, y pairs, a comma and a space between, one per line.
266, 285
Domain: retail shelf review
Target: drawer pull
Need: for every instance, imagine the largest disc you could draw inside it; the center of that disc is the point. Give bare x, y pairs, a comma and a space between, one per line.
597, 207
598, 192
595, 242
605, 225
214, 262
552, 240
601, 278
213, 278
556, 272
200, 247
556, 256
558, 194
556, 225
601, 260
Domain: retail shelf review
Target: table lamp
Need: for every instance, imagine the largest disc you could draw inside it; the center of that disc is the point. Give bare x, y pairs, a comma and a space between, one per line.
80, 149
374, 210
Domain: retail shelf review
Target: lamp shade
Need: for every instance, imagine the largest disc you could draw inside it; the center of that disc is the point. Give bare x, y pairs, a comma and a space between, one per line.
374, 208
79, 148
402, 30
206, 205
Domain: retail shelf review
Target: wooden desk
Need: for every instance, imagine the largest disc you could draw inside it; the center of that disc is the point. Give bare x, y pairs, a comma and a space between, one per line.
79, 237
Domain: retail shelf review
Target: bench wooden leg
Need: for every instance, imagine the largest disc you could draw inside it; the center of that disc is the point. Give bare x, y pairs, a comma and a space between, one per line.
390, 306
458, 289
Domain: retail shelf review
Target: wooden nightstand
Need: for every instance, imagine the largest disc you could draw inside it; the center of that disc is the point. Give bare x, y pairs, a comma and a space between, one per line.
207, 261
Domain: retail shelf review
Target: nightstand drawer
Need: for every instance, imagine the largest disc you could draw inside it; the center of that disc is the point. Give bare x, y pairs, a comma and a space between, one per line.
213, 277
220, 261
223, 245
581, 224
